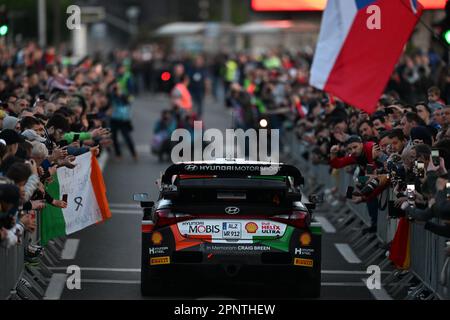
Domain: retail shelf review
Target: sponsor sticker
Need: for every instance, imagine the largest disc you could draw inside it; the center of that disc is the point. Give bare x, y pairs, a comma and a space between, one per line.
199, 228
225, 230
270, 228
158, 250
159, 260
303, 262
157, 238
304, 251
236, 248
251, 227
305, 239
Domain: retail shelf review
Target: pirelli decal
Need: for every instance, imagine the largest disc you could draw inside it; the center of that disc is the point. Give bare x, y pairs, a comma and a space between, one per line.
159, 260
304, 262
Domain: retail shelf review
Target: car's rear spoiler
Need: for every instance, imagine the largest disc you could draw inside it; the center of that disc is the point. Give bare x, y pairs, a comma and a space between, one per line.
233, 170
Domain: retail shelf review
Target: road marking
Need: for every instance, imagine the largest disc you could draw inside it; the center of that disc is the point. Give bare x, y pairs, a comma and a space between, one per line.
379, 294
326, 225
124, 205
349, 272
114, 281
342, 284
347, 252
137, 270
56, 286
70, 249
98, 269
110, 281
124, 211
143, 148
215, 298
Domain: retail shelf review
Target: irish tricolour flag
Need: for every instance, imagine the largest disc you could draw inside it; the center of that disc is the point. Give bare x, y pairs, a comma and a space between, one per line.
86, 199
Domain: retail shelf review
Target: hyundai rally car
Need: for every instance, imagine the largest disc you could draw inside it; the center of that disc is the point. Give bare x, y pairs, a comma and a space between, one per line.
230, 220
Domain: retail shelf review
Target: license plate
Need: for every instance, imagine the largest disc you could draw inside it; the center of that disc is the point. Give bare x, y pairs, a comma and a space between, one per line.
231, 230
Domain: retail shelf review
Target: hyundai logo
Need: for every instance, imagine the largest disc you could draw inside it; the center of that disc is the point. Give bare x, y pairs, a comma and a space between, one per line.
191, 167
232, 210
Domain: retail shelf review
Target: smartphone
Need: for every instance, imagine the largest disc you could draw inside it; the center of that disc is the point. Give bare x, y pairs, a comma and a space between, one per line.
91, 116
435, 157
447, 190
64, 197
76, 137
410, 192
349, 192
420, 169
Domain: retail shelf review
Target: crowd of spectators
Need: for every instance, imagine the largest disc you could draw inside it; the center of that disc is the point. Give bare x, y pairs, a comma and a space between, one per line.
52, 109
404, 146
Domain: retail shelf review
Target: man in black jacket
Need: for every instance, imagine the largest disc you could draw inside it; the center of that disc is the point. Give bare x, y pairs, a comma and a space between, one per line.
440, 209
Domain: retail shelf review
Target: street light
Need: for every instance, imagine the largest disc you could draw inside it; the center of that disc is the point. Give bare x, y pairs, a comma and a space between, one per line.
447, 36
445, 24
3, 30
4, 23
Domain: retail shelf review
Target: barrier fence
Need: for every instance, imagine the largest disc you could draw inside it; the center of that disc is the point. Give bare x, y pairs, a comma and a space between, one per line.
24, 275
429, 274
27, 279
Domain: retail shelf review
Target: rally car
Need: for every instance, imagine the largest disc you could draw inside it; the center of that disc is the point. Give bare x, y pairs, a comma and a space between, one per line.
235, 220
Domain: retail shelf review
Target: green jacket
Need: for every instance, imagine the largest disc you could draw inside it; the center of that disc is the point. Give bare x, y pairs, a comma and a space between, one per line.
70, 136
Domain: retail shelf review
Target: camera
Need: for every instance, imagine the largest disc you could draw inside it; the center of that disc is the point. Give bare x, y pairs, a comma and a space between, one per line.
396, 169
323, 140
370, 169
7, 220
371, 185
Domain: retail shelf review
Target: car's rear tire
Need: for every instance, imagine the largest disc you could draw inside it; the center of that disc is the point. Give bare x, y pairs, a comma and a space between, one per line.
307, 286
150, 285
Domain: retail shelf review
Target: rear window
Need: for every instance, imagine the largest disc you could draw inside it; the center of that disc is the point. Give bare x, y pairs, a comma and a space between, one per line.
270, 191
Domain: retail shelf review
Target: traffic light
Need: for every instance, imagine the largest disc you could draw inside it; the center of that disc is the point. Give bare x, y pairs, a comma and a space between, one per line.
4, 23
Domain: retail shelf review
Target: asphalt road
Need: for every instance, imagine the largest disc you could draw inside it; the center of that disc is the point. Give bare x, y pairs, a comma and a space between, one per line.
109, 254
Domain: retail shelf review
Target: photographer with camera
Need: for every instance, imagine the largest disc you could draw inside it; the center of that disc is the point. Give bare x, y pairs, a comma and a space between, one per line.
362, 154
438, 207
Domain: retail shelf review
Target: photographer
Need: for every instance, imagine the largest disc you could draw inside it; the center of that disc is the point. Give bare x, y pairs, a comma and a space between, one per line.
362, 154
359, 152
438, 207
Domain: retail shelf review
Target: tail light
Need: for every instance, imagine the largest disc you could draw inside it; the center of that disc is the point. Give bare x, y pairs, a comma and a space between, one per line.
147, 226
166, 217
298, 219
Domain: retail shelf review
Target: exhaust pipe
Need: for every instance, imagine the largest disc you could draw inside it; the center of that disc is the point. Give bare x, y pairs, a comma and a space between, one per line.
232, 270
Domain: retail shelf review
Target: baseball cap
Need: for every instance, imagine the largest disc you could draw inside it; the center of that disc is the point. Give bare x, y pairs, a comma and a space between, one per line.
10, 136
31, 135
353, 138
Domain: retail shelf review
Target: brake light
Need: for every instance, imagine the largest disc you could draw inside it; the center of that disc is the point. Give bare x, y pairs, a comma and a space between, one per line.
147, 226
166, 217
298, 219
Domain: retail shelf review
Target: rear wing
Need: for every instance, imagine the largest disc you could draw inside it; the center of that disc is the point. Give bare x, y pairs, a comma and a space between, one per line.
233, 170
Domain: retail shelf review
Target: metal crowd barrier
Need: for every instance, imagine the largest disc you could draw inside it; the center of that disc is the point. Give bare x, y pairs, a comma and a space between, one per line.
22, 280
11, 268
427, 250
